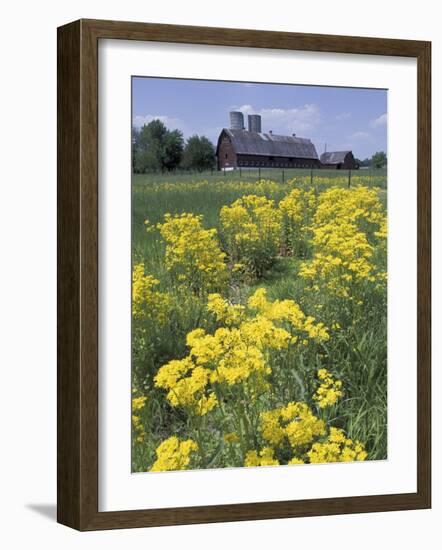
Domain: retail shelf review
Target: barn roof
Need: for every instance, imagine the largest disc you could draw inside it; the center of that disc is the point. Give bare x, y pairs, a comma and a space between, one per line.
334, 157
254, 143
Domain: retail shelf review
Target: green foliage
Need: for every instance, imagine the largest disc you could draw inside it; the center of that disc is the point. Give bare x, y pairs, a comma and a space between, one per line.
172, 149
363, 163
155, 148
379, 160
199, 154
135, 146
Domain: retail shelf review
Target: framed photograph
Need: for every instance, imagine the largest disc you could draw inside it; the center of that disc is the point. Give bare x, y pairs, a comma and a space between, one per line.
243, 274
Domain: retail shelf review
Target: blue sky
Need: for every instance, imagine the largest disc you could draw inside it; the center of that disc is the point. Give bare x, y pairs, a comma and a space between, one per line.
342, 118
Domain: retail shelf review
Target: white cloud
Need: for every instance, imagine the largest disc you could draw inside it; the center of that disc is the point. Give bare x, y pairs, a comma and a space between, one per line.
379, 121
343, 116
360, 135
245, 109
295, 120
170, 122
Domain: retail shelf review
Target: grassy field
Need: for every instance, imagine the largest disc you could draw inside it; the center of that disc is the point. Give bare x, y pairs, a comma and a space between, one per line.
155, 194
347, 337
377, 177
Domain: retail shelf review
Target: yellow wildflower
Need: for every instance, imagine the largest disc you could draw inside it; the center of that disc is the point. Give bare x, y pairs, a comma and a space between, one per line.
193, 255
228, 313
344, 226
138, 428
148, 303
329, 390
287, 310
138, 403
251, 228
265, 457
296, 460
297, 209
337, 448
187, 385
231, 437
295, 423
173, 454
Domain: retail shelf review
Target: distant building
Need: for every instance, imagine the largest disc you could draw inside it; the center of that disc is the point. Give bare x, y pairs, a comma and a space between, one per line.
339, 160
238, 147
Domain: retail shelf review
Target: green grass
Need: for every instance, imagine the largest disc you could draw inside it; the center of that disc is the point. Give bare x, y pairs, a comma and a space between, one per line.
152, 197
357, 354
376, 177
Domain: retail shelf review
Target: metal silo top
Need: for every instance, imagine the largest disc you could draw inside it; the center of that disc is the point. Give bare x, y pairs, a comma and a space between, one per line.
254, 123
236, 120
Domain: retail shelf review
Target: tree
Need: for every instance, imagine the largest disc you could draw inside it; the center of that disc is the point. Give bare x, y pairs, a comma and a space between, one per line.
157, 148
363, 163
173, 146
135, 144
379, 159
199, 154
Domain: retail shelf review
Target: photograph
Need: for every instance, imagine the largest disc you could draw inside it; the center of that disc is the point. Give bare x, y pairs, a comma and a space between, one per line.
259, 274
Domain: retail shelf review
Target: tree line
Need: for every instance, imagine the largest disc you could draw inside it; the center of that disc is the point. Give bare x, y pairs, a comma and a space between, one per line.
155, 148
378, 160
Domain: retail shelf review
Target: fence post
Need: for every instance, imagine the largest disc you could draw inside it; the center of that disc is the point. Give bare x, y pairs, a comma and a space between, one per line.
224, 170
240, 173
283, 178
349, 178
259, 173
311, 176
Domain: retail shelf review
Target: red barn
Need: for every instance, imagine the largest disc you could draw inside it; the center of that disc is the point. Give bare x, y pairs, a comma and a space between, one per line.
238, 147
339, 160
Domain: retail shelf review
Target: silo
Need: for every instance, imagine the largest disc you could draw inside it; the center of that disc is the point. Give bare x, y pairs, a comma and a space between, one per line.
236, 120
255, 123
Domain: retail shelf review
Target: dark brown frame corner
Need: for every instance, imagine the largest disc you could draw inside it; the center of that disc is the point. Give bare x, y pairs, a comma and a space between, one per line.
77, 226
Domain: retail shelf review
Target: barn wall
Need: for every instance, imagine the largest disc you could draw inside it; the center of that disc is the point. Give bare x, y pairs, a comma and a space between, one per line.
226, 154
350, 163
275, 162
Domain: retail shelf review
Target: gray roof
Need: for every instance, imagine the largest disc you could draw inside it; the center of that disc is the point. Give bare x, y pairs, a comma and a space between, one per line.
334, 157
254, 143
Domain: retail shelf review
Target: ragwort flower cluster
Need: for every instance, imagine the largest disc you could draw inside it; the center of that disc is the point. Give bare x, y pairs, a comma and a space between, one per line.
251, 229
237, 352
295, 435
336, 448
138, 404
295, 424
147, 302
329, 390
230, 368
297, 209
193, 255
344, 224
173, 454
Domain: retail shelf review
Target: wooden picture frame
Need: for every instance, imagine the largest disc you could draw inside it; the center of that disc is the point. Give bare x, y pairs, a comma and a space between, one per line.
78, 274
